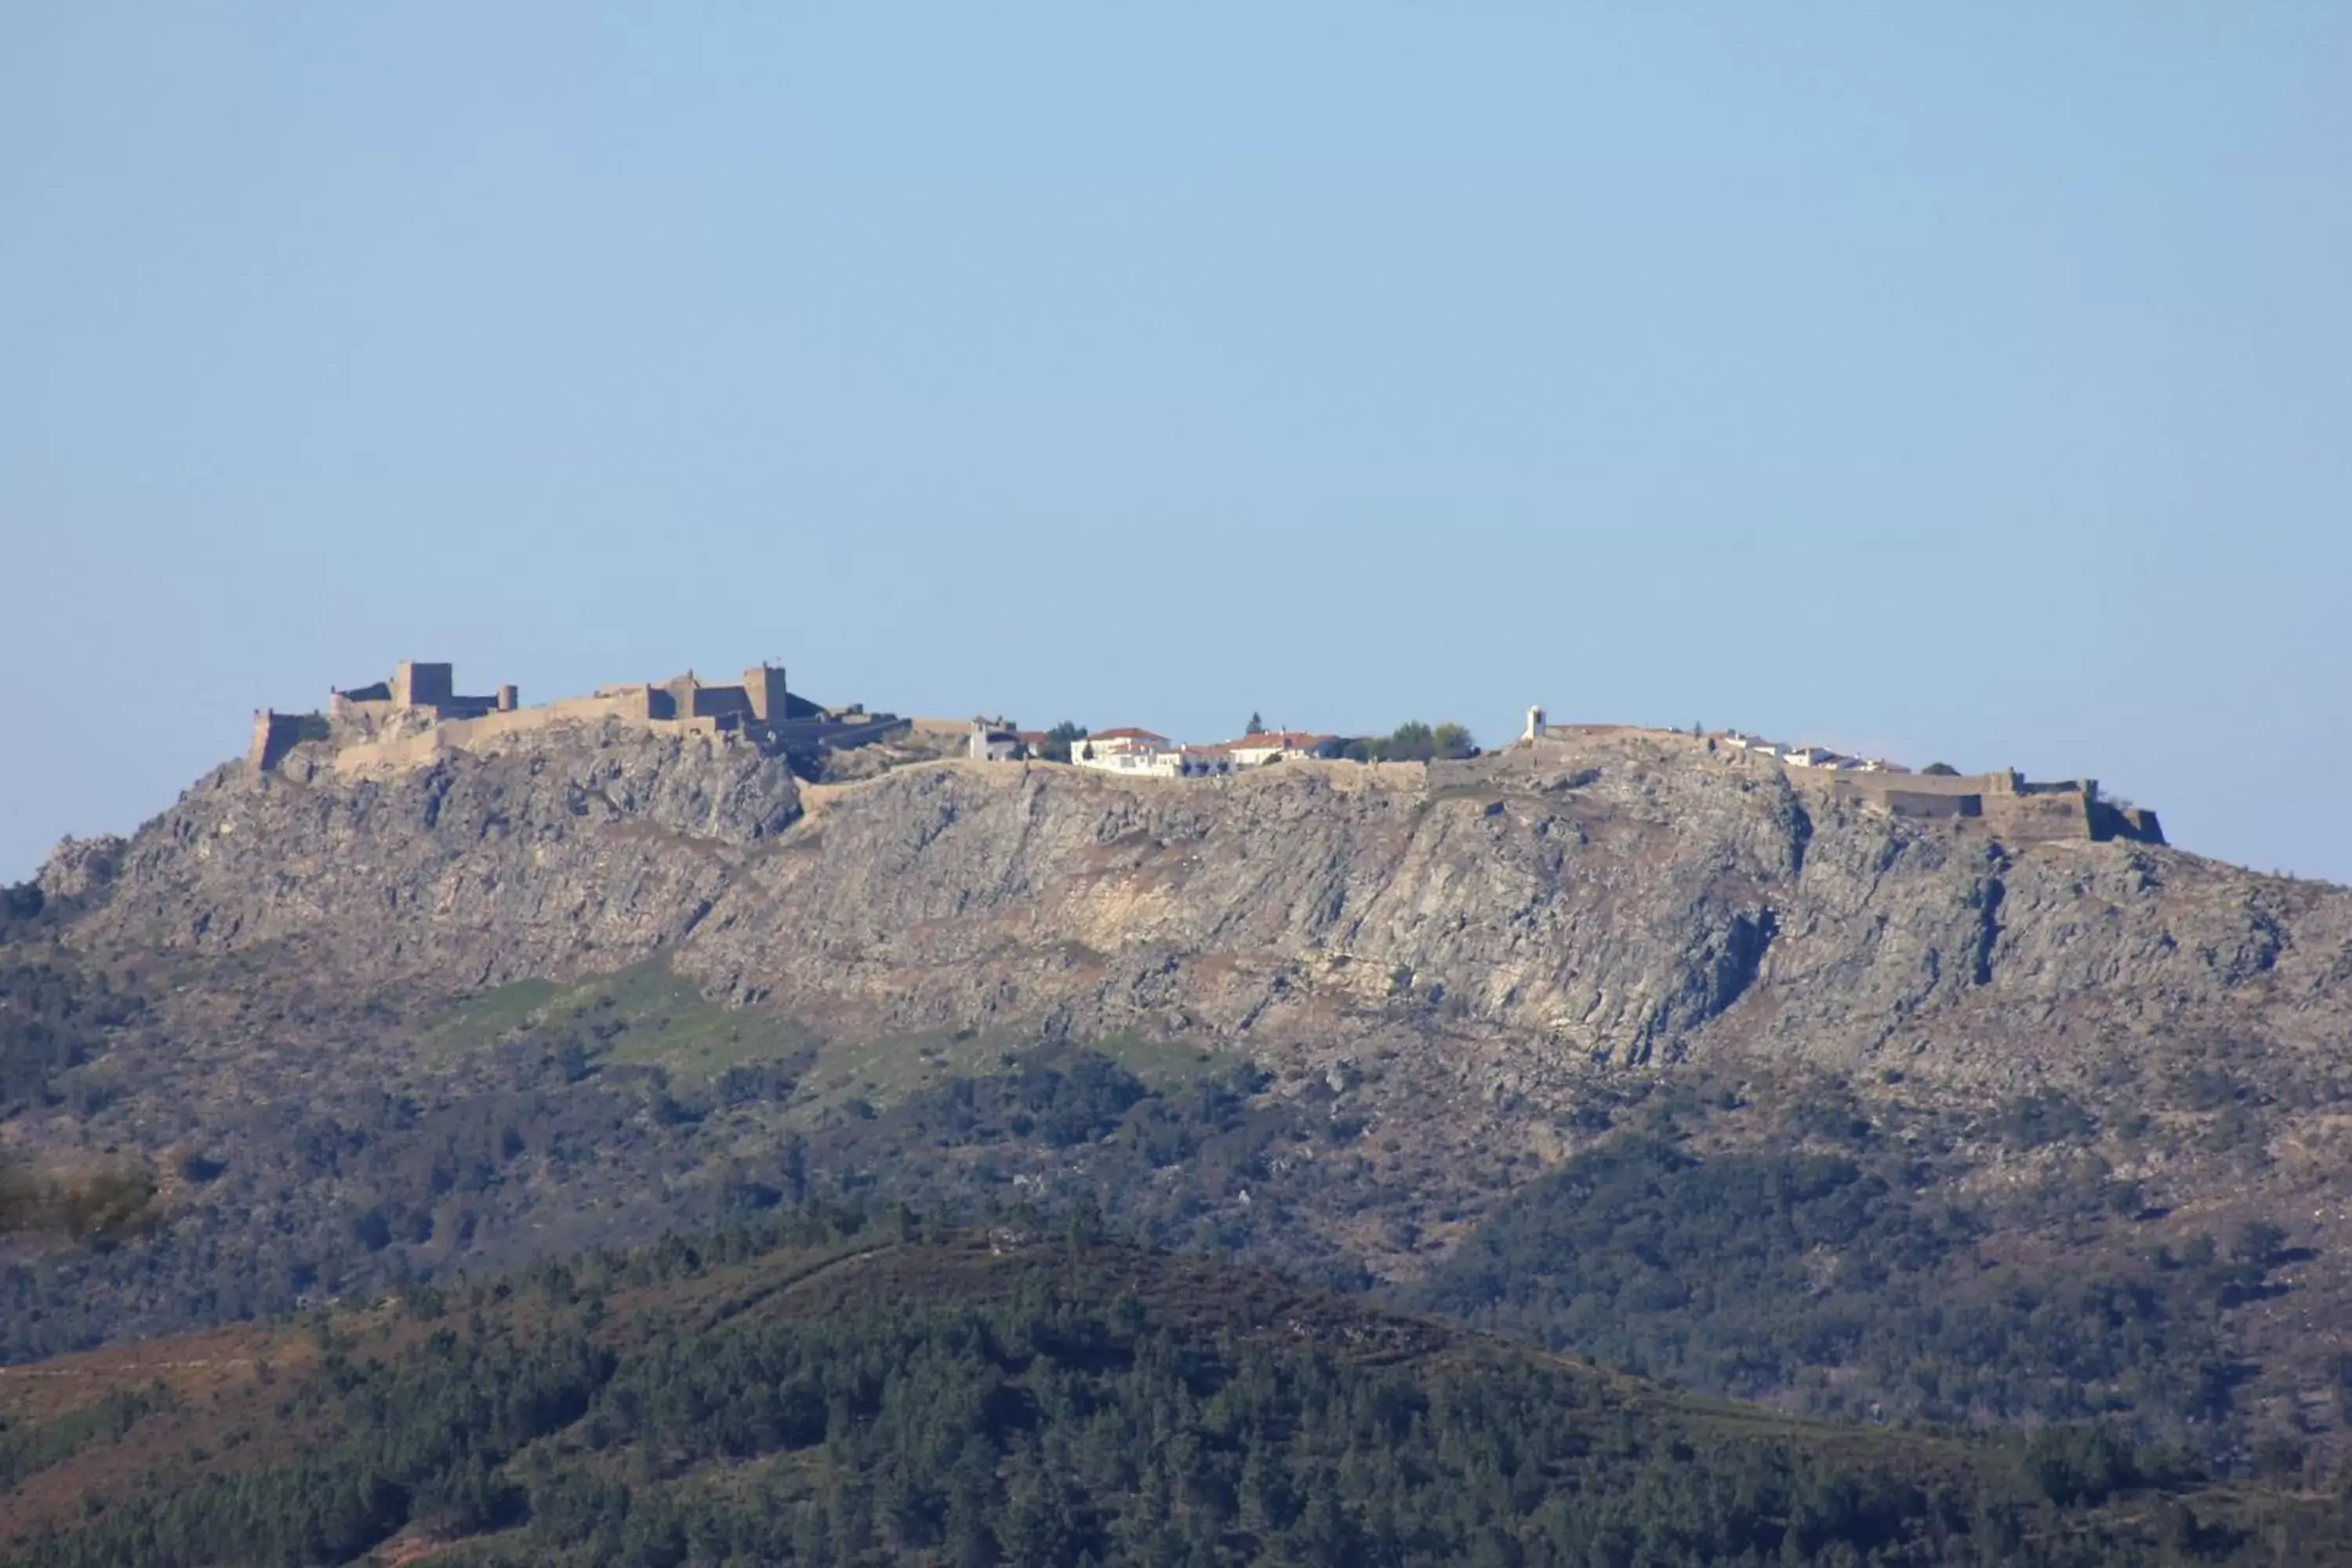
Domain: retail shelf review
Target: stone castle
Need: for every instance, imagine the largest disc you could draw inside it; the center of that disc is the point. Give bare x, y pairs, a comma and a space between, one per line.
419, 712
2006, 802
2016, 808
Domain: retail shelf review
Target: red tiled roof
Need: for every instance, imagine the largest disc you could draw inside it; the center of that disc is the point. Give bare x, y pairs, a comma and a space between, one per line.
1296, 740
1131, 733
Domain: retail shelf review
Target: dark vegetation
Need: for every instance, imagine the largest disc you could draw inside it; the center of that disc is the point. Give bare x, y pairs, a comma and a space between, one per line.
1169, 1160
1845, 1283
1824, 1269
1821, 1264
834, 1386
1412, 741
55, 1016
1060, 739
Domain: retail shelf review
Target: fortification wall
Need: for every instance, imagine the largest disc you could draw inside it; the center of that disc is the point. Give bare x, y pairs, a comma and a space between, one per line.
275, 734
1847, 782
2036, 818
801, 734
611, 703
404, 752
2015, 810
345, 708
1927, 804
716, 703
640, 700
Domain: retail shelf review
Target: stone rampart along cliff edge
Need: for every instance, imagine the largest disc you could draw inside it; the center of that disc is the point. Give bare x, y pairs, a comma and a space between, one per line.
1618, 899
417, 716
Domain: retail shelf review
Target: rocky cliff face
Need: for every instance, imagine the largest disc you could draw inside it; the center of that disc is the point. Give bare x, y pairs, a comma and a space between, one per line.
1626, 898
1453, 978
594, 846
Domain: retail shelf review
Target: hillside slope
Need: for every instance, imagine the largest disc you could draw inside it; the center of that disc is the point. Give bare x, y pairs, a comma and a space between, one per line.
823, 1392
1340, 1018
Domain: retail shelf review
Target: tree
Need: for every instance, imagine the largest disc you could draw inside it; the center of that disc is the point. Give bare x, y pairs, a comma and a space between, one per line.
2259, 1242
1453, 740
1412, 741
1941, 770
1256, 723
1059, 739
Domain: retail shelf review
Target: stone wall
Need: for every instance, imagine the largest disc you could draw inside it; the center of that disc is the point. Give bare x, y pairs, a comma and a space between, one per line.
1930, 805
2012, 807
276, 734
808, 734
492, 731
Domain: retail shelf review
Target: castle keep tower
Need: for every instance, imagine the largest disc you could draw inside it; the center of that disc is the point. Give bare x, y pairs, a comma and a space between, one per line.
416, 684
765, 686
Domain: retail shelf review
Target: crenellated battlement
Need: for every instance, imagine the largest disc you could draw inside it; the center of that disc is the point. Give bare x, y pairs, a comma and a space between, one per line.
418, 713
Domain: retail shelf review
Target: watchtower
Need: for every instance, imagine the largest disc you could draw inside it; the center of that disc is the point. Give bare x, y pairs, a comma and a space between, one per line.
1534, 731
764, 685
418, 685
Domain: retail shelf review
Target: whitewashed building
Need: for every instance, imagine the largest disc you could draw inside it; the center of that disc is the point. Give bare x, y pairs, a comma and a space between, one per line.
1125, 751
1144, 753
993, 742
1279, 745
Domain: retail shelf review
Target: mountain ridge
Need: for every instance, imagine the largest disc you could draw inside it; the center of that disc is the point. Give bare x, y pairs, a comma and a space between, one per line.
1340, 1017
1615, 898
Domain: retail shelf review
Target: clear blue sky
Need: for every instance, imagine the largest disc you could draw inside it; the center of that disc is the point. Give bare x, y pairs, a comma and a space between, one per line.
1968, 381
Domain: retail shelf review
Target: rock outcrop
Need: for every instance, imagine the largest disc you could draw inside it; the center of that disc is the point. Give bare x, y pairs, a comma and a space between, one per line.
1453, 976
1627, 898
589, 846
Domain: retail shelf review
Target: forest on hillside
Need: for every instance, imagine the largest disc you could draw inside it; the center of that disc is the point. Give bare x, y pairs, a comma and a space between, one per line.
844, 1386
1828, 1270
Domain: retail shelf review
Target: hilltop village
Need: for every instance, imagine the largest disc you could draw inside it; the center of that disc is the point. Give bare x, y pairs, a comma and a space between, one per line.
417, 714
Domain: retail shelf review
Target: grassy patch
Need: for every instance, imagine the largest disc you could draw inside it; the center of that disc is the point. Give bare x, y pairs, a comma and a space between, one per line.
885, 1071
880, 1072
484, 1020
1163, 1065
643, 1013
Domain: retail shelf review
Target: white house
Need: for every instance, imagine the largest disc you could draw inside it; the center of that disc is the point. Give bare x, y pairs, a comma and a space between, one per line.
1279, 745
1127, 751
1141, 754
1810, 757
